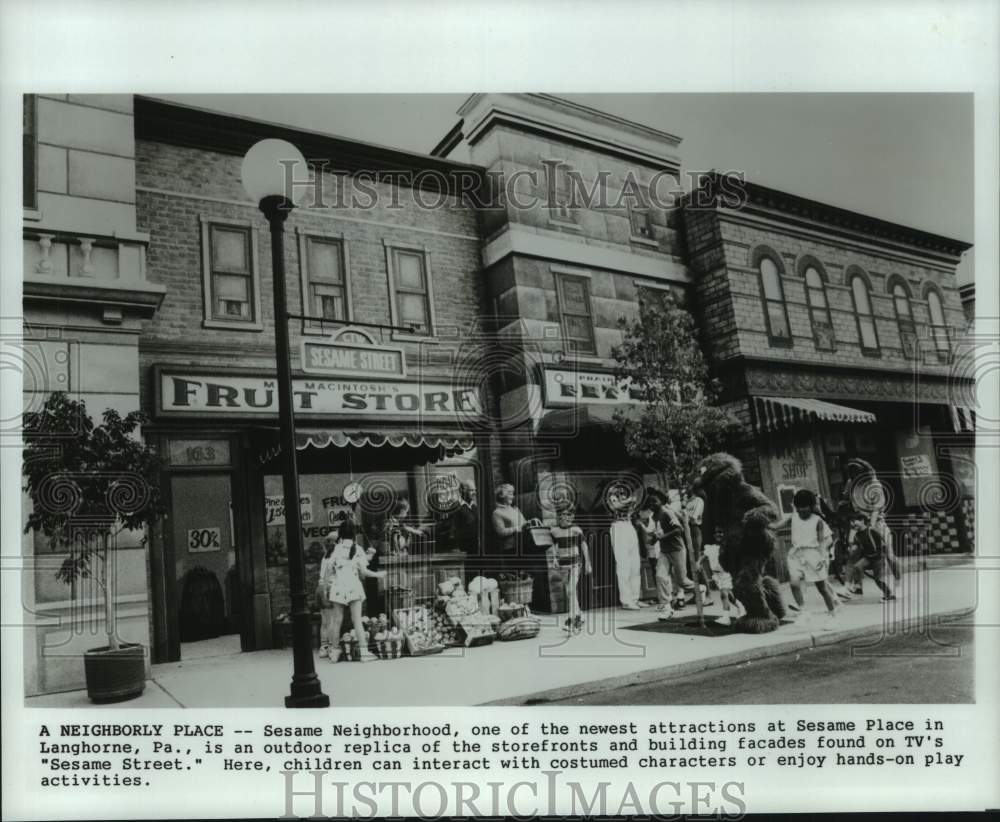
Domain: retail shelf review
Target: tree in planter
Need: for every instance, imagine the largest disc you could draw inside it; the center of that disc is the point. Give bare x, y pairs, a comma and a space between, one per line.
88, 484
678, 423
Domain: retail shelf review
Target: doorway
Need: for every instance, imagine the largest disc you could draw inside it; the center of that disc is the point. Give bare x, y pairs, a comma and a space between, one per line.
208, 601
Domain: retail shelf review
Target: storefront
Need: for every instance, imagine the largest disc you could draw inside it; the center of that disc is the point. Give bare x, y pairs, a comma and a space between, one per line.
923, 464
364, 447
572, 452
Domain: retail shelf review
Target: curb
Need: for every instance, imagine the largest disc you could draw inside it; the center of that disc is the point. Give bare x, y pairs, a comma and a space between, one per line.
667, 672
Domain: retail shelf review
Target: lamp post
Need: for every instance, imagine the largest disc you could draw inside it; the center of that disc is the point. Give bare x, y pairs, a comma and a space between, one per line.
265, 169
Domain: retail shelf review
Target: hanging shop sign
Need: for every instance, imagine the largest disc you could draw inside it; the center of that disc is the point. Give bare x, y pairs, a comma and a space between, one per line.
917, 464
223, 395
568, 387
352, 352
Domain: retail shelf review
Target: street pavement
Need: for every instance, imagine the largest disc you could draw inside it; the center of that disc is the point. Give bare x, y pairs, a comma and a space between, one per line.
601, 660
912, 667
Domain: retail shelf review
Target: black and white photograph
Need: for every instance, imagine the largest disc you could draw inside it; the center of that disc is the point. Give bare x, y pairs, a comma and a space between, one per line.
663, 414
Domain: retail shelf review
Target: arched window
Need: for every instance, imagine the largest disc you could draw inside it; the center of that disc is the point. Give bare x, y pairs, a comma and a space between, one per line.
773, 295
939, 329
904, 318
819, 309
861, 294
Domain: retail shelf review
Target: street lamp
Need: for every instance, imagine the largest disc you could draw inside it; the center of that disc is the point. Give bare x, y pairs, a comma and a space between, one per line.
267, 173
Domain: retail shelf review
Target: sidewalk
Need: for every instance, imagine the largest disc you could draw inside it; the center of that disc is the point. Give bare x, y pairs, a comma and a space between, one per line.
607, 654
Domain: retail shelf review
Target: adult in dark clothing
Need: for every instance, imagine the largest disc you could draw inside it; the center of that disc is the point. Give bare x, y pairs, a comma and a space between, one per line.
465, 520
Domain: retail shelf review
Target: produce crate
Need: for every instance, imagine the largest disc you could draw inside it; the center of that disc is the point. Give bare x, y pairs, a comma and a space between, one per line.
398, 599
512, 610
520, 591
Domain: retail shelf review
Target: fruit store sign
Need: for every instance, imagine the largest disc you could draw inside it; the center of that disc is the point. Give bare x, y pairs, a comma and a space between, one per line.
221, 395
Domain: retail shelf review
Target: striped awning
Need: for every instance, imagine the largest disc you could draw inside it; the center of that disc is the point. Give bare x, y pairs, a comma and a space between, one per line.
452, 443
777, 413
433, 444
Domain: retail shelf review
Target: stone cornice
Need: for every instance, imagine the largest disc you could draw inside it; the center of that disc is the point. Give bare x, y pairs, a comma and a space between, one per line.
567, 122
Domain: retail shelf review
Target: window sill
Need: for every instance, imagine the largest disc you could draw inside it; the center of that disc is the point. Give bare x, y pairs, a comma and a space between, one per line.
873, 353
780, 342
232, 326
32, 215
398, 336
645, 241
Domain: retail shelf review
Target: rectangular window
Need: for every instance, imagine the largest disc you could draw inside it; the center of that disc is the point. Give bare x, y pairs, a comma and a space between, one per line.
575, 312
410, 290
642, 222
230, 276
30, 156
325, 279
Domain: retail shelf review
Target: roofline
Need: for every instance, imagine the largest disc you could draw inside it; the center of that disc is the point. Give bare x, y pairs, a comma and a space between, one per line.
193, 127
761, 195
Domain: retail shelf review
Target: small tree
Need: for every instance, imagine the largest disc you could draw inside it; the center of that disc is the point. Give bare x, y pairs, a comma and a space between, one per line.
88, 484
678, 423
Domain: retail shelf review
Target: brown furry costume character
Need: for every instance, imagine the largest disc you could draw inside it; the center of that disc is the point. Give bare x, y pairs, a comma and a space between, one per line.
744, 516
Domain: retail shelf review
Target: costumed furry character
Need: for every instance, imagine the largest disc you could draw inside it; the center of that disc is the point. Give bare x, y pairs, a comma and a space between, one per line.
745, 517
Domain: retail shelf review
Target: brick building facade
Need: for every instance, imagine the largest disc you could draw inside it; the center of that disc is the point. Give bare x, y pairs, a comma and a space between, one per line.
511, 283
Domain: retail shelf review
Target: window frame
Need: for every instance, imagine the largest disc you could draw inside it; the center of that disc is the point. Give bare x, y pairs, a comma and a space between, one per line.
948, 353
306, 282
209, 319
391, 249
560, 278
29, 159
805, 264
760, 254
905, 325
855, 273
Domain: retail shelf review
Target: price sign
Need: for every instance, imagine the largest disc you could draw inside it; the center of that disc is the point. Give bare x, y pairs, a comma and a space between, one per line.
203, 540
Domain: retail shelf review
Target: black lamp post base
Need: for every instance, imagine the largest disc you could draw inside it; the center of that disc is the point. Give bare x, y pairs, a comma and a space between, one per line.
307, 693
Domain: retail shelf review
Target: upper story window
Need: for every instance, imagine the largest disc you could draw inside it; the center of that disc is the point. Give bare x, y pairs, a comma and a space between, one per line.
773, 296
861, 295
819, 308
411, 297
904, 318
230, 273
326, 287
30, 154
575, 314
939, 328
640, 222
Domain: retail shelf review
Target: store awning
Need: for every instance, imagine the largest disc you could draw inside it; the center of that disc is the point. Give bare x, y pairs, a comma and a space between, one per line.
445, 443
777, 413
587, 416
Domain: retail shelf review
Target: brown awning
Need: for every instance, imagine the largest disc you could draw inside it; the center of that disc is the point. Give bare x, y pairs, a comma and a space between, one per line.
777, 413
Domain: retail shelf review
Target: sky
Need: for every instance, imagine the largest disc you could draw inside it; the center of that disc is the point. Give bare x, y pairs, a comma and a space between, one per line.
906, 158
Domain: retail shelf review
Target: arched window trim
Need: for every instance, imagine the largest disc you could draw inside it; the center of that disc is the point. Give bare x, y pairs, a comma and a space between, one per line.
939, 330
906, 325
759, 254
824, 339
853, 273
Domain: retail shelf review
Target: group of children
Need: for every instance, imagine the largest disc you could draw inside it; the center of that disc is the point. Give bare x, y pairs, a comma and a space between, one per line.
863, 547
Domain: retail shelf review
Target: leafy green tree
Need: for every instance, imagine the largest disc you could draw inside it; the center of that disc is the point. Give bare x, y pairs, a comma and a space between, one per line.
87, 484
678, 422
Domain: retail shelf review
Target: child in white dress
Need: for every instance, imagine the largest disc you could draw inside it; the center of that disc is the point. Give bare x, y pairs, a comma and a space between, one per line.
809, 556
348, 564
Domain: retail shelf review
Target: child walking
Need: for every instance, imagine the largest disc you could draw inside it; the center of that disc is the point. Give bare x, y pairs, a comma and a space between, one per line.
570, 553
348, 564
327, 639
809, 558
722, 578
868, 552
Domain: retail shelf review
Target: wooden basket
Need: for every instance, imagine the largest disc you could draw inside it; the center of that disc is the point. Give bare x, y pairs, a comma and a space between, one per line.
520, 592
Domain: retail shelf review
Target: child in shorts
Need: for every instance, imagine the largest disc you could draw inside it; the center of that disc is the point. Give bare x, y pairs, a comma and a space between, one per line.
809, 557
570, 554
723, 579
